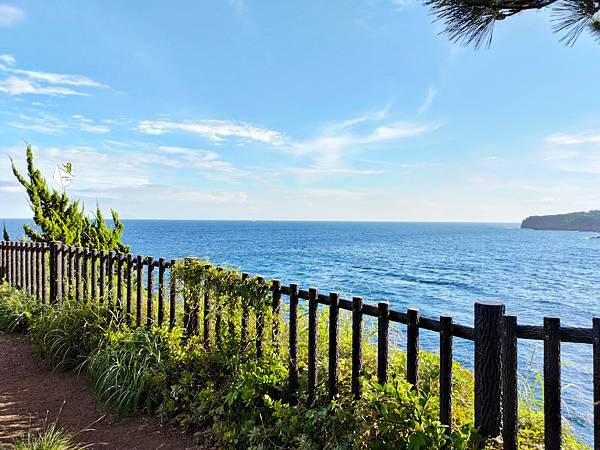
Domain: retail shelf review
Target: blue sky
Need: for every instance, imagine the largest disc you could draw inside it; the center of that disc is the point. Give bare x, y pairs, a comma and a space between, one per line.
297, 110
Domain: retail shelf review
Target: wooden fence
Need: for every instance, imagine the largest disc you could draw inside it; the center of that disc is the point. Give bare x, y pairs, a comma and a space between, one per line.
55, 271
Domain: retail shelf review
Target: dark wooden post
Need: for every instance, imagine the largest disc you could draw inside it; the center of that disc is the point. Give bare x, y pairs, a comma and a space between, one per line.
207, 309
13, 263
276, 286
72, 253
161, 291
150, 293
260, 329
119, 301
52, 272
596, 376
139, 267
412, 347
191, 305
78, 274
85, 273
32, 268
245, 315
510, 400
357, 321
22, 265
446, 372
552, 412
129, 293
94, 281
312, 343
57, 277
383, 324
488, 367
44, 275
218, 318
172, 295
40, 269
334, 314
103, 256
110, 272
293, 338
26, 270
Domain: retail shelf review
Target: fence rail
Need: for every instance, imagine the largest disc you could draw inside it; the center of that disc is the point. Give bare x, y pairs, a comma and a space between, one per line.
53, 271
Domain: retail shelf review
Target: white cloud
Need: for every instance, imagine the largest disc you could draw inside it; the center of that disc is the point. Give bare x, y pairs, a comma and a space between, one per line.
338, 139
431, 94
20, 82
18, 86
10, 15
574, 139
214, 130
7, 59
46, 123
326, 171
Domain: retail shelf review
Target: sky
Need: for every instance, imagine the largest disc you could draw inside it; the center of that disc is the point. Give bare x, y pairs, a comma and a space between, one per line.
296, 110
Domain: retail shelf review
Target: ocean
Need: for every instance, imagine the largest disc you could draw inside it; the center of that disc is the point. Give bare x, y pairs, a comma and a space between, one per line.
440, 268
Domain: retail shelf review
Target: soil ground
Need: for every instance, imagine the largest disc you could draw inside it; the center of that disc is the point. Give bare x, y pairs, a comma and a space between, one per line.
30, 396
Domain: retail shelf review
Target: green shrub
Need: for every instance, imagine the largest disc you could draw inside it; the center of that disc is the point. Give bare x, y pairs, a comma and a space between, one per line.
130, 368
68, 333
16, 309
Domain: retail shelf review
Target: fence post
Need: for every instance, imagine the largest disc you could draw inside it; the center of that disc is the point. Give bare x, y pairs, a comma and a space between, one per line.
312, 343
276, 312
55, 272
412, 347
510, 400
357, 320
44, 274
383, 324
172, 295
150, 293
552, 402
334, 313
488, 367
446, 325
293, 338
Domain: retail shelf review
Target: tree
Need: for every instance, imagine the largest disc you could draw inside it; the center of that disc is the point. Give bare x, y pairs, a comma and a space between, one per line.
5, 236
472, 21
62, 219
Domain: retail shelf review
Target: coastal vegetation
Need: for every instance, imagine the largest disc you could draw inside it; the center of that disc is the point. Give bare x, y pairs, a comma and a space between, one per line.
58, 218
224, 392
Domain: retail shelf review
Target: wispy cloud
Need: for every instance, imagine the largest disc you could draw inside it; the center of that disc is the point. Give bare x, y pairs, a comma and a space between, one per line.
431, 94
7, 59
574, 152
214, 130
10, 15
591, 137
20, 81
46, 123
354, 134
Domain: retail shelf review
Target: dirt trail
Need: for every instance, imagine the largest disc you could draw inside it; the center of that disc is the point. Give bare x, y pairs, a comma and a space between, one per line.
29, 393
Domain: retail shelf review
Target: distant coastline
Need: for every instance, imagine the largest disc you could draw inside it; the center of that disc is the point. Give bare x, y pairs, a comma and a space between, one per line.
577, 221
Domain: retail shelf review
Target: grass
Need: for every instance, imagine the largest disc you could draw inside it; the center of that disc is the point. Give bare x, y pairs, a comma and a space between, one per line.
49, 438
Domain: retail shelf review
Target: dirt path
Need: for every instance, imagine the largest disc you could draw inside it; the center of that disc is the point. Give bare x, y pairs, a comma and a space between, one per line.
29, 393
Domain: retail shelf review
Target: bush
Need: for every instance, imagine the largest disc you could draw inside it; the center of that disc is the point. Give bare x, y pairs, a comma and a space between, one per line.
16, 309
66, 335
130, 368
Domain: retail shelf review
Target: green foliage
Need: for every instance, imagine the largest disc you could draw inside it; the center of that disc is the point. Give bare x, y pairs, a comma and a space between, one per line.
62, 219
5, 236
66, 335
472, 21
16, 309
130, 368
49, 438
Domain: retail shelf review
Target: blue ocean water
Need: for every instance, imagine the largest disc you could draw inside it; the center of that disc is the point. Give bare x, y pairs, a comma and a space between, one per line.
441, 268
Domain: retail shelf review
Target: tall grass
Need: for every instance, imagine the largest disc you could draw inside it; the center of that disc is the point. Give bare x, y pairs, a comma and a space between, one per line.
16, 309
